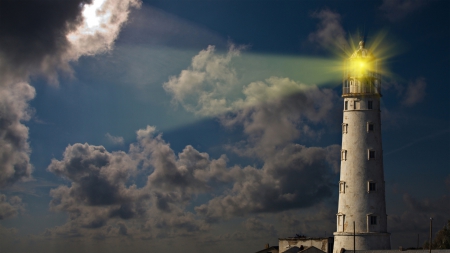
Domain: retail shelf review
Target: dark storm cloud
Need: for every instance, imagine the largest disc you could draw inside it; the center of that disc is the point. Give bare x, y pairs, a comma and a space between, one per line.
98, 189
34, 41
33, 35
100, 193
294, 177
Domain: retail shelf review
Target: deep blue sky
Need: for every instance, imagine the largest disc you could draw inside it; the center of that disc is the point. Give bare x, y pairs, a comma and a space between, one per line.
282, 144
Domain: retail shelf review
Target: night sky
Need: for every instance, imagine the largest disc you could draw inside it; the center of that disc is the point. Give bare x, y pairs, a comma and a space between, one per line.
210, 125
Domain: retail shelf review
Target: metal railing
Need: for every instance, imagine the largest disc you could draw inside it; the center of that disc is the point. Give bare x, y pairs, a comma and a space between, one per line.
362, 88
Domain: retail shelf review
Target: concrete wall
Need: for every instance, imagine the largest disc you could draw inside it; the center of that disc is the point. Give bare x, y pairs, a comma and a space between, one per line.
356, 203
367, 241
285, 244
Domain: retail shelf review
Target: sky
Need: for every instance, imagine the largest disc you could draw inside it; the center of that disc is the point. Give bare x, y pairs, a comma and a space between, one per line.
210, 125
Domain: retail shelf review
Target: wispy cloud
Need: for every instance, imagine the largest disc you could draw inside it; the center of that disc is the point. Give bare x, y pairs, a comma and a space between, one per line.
116, 140
415, 92
329, 31
395, 10
10, 207
428, 137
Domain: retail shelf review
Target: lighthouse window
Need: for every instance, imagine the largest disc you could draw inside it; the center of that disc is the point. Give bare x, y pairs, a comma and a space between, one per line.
346, 105
372, 186
373, 220
371, 154
342, 187
370, 105
344, 128
369, 127
343, 154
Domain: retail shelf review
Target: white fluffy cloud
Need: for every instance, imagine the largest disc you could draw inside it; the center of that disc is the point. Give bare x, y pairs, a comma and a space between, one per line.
204, 86
102, 21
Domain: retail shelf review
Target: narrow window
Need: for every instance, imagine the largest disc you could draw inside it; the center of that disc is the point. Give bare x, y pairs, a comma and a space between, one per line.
340, 222
341, 187
346, 105
371, 154
372, 186
373, 220
370, 105
344, 128
343, 154
369, 127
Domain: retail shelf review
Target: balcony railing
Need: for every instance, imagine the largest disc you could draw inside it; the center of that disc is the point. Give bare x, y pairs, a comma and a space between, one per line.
356, 87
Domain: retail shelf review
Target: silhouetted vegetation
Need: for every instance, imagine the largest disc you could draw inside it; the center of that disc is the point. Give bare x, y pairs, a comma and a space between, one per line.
441, 240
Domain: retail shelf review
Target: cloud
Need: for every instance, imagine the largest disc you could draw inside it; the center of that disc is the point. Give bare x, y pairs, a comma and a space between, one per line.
11, 207
273, 113
329, 31
313, 221
210, 87
102, 21
278, 111
14, 148
426, 205
47, 35
415, 92
116, 140
101, 193
294, 177
202, 88
98, 189
395, 10
256, 224
42, 38
416, 217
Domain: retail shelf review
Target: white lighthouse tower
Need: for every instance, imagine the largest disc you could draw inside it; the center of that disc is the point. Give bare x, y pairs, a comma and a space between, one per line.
361, 186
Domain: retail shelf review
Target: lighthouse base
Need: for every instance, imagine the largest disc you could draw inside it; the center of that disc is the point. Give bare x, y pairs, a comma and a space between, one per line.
362, 241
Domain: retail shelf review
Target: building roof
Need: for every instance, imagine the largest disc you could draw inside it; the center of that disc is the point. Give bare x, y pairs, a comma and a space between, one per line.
399, 251
270, 249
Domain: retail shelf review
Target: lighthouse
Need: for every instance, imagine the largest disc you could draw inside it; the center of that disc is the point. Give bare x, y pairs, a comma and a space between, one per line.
361, 218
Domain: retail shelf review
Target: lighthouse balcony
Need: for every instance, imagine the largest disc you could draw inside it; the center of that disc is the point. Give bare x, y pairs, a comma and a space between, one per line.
357, 87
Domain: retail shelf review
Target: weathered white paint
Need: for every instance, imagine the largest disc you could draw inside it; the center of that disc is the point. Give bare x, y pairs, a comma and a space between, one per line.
361, 137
